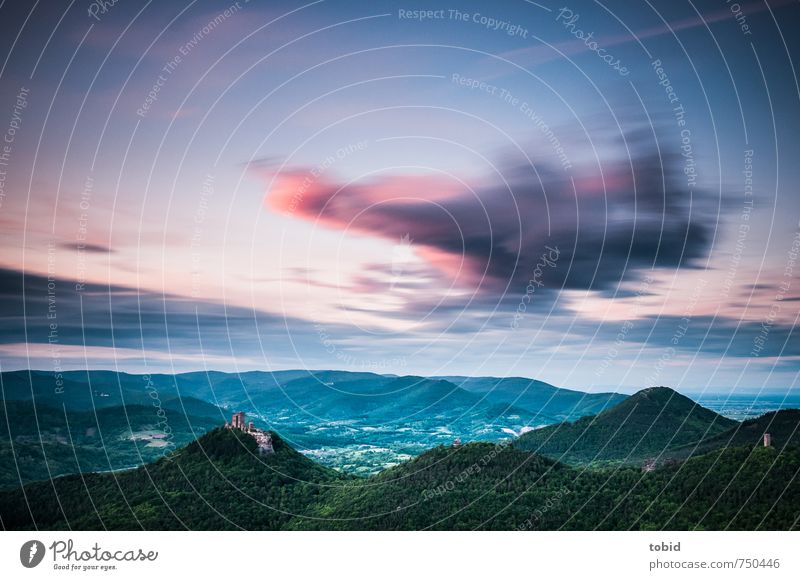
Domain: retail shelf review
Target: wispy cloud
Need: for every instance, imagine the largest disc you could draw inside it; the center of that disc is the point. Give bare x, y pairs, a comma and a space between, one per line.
609, 222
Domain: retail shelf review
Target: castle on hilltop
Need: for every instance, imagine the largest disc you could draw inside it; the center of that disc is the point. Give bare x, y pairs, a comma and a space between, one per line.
263, 438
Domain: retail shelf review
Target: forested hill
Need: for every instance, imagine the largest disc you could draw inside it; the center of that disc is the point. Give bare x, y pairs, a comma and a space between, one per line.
480, 486
642, 426
783, 427
220, 482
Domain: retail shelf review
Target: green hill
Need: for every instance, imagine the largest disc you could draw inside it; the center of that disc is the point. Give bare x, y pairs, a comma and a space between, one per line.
449, 488
549, 403
641, 427
783, 427
220, 482
738, 488
477, 487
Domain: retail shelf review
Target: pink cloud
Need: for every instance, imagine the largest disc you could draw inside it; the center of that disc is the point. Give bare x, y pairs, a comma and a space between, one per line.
616, 219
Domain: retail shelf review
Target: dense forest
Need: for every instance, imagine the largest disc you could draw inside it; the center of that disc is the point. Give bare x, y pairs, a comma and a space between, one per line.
220, 482
642, 427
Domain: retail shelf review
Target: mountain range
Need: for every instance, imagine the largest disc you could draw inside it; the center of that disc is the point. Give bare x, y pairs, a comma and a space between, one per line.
331, 393
654, 460
358, 422
538, 397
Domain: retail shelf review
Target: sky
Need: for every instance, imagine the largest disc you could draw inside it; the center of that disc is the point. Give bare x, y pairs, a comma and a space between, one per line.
598, 195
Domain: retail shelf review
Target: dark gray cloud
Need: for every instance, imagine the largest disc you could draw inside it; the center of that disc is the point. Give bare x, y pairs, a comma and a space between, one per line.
90, 248
709, 335
124, 317
609, 221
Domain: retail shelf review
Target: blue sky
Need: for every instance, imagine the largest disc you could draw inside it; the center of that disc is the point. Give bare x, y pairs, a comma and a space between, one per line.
325, 185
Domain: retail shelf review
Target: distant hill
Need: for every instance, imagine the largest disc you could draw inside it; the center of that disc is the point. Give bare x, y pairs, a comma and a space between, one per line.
344, 396
88, 389
550, 403
334, 394
643, 426
192, 407
220, 482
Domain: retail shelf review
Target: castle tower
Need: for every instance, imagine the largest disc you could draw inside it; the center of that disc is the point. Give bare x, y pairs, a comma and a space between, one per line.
237, 421
767, 440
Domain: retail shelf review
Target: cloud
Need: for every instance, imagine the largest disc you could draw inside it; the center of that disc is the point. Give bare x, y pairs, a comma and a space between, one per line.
35, 310
719, 336
90, 248
608, 222
541, 53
